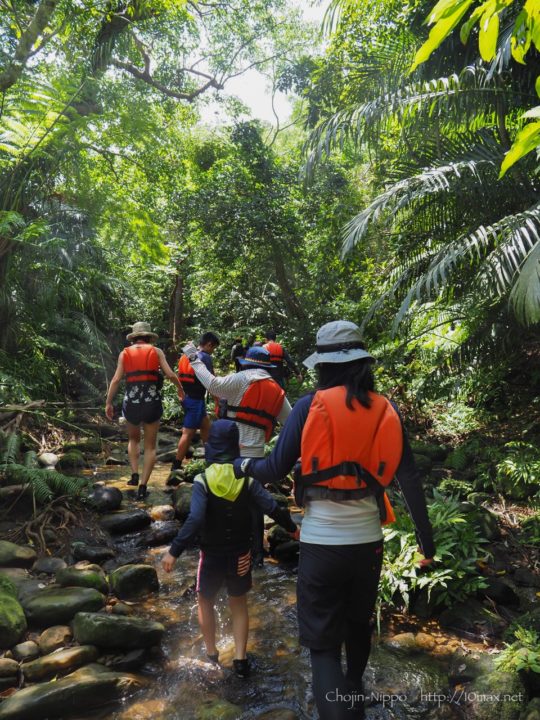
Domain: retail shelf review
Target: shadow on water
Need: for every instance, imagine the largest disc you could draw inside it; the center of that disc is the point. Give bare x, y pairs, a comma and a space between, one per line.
182, 685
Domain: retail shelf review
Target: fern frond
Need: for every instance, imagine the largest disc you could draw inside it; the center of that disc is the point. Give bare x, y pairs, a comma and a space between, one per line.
11, 452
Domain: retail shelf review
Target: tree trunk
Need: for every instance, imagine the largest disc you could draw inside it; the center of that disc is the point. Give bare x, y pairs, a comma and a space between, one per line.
176, 321
289, 296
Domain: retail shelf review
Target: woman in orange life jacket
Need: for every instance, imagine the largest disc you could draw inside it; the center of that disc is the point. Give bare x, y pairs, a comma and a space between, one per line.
352, 443
140, 364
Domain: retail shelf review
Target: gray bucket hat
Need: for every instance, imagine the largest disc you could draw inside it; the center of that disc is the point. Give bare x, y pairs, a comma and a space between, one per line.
141, 329
339, 341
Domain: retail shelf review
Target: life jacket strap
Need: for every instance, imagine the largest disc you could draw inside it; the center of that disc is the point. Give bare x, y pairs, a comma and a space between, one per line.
186, 377
315, 492
344, 468
152, 373
251, 411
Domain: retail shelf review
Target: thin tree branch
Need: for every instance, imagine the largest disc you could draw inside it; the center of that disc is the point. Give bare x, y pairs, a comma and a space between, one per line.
149, 80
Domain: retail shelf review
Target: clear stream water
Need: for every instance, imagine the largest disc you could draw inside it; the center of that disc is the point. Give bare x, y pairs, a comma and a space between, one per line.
181, 685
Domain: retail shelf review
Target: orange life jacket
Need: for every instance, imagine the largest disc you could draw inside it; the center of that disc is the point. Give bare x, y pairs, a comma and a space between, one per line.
348, 454
141, 363
186, 374
260, 405
275, 350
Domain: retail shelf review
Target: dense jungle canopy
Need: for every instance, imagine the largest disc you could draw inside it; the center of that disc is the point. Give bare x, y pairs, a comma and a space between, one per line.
381, 201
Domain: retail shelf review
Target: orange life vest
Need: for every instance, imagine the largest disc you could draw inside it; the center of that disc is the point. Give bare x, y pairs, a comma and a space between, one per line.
347, 454
275, 350
186, 374
141, 363
260, 405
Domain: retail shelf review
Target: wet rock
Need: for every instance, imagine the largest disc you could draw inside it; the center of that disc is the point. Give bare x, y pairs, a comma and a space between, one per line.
198, 453
162, 512
48, 459
131, 581
28, 588
54, 638
12, 555
167, 457
55, 606
92, 446
423, 463
14, 575
287, 551
28, 650
12, 621
500, 592
87, 688
403, 642
90, 576
125, 521
526, 578
48, 565
71, 460
215, 707
8, 668
281, 713
105, 499
92, 553
487, 692
160, 533
7, 586
127, 661
112, 460
472, 619
60, 662
116, 631
182, 500
121, 608
277, 536
532, 711
431, 450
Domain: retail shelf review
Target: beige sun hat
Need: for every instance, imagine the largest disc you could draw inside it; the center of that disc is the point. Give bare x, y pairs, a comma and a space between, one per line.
141, 329
339, 341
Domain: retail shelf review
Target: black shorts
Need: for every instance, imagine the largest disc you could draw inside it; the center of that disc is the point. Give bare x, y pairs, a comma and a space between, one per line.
337, 589
145, 412
233, 569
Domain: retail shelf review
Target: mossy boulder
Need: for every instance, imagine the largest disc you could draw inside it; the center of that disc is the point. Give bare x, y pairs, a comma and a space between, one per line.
91, 576
12, 621
12, 555
182, 500
489, 691
56, 606
72, 460
434, 452
131, 581
7, 586
92, 446
88, 688
125, 521
116, 631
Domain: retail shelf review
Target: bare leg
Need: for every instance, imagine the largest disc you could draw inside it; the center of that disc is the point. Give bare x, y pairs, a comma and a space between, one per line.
240, 622
205, 428
150, 440
134, 446
184, 442
207, 622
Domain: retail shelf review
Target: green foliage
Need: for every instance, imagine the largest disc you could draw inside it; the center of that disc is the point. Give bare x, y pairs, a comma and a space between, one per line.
518, 474
46, 484
453, 577
522, 655
193, 468
530, 530
7, 587
11, 449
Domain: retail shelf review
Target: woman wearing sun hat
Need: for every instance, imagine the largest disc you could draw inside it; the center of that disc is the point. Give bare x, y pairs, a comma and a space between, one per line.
352, 443
140, 364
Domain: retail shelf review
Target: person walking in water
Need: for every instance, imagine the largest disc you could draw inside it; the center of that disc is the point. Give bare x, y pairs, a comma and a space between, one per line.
281, 359
194, 404
220, 512
352, 443
140, 364
255, 402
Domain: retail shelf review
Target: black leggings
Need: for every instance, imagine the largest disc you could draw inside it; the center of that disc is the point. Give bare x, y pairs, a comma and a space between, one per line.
337, 590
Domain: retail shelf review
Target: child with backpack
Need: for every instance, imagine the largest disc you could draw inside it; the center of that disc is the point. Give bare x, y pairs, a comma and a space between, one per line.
220, 513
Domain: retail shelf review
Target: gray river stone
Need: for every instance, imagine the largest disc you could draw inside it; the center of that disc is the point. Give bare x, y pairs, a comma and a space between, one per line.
91, 576
48, 565
159, 533
89, 687
16, 575
60, 662
28, 650
54, 606
12, 621
116, 631
125, 521
54, 638
182, 500
8, 667
131, 581
105, 499
12, 555
48, 459
92, 553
